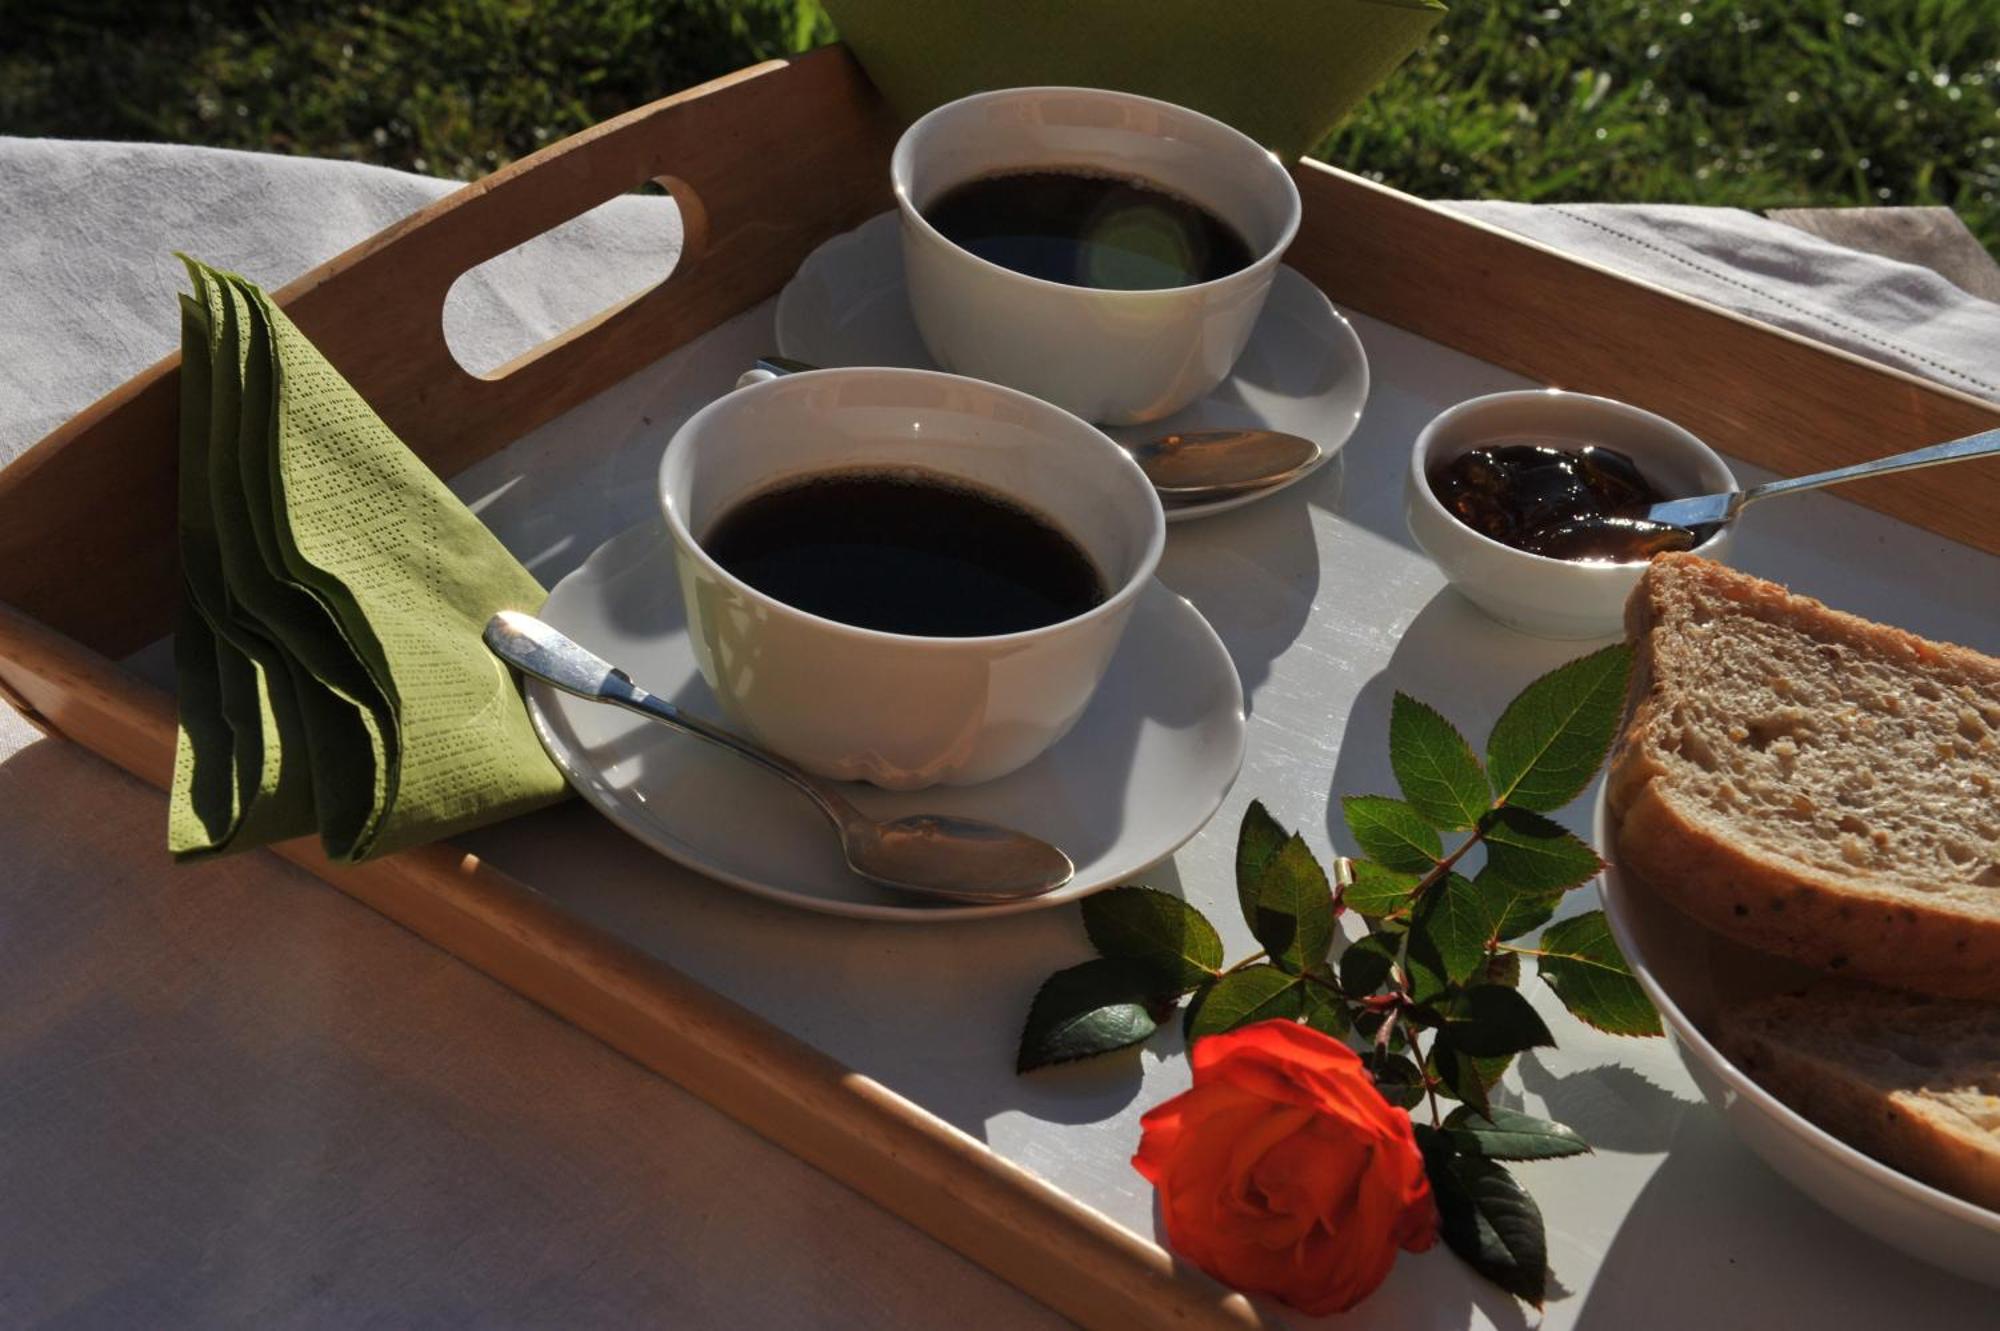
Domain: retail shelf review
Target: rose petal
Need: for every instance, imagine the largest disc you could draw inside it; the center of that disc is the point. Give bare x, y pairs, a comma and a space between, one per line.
1284, 1171
1279, 1060
1163, 1127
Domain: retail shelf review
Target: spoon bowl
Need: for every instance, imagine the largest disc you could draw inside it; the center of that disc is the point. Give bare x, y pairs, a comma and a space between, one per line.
939, 855
1201, 465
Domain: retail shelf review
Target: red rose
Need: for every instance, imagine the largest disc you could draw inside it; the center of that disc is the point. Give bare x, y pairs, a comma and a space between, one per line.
1284, 1171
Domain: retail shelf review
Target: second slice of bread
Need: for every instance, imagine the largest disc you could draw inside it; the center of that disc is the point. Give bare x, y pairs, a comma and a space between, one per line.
1914, 1082
1810, 783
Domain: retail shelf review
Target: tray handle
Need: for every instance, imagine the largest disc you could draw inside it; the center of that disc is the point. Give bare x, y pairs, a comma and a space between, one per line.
766, 164
722, 151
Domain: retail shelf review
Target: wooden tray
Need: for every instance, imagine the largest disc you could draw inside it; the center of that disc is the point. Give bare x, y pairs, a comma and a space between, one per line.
766, 164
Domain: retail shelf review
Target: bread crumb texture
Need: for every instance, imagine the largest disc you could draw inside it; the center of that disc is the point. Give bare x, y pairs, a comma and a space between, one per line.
1859, 750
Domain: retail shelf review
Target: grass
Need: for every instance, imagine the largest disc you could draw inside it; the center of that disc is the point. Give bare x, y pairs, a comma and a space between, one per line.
1753, 103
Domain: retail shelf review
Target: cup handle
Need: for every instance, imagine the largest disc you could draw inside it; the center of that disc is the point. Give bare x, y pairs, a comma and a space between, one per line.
749, 377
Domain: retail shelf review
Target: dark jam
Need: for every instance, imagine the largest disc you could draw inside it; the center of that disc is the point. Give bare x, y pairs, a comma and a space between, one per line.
1584, 503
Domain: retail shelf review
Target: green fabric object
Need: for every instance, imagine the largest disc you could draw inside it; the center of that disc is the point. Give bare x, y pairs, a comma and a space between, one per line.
1285, 72
328, 653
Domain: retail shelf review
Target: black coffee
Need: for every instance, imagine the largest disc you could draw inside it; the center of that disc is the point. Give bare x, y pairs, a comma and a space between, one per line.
905, 551
1088, 230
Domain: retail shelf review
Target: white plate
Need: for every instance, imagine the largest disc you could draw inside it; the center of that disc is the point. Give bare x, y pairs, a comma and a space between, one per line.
1142, 771
1303, 372
1690, 973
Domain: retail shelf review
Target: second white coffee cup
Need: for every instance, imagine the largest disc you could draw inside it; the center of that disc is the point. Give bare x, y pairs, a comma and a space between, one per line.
1116, 357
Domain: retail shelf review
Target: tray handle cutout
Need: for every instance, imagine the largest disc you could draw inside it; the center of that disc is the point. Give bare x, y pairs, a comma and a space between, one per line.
648, 242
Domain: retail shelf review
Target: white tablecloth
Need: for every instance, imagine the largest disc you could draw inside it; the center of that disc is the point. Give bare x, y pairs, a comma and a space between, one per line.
232, 1096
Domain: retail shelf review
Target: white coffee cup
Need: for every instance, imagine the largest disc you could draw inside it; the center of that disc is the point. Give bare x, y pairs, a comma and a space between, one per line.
895, 709
1117, 357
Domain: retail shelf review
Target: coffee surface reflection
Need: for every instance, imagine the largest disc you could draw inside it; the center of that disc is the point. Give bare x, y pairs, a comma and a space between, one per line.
1088, 230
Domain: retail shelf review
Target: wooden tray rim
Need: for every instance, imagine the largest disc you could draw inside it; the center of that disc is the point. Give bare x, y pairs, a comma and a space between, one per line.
1049, 1244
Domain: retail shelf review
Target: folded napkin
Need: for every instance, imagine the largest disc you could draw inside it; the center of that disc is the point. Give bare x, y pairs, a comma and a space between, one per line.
1285, 72
328, 652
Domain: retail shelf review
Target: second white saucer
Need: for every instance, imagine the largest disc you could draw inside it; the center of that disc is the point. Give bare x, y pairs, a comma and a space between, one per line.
1304, 371
1148, 764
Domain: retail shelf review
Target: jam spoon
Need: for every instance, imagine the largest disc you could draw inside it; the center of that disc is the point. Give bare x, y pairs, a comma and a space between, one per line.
1704, 510
924, 854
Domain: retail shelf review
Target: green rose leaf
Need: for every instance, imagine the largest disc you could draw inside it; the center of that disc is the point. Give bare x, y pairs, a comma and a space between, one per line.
1487, 1217
1508, 1134
1392, 833
1582, 963
1453, 925
1102, 1005
1501, 968
1424, 968
1257, 839
1462, 1076
1549, 742
1255, 993
1323, 1010
1519, 911
1395, 1076
1491, 1070
1157, 930
1377, 891
1294, 917
1365, 964
1492, 1021
1529, 853
1435, 767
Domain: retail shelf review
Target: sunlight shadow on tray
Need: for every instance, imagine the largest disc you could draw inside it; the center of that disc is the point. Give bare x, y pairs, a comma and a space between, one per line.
1429, 664
1613, 1106
1406, 390
1755, 1247
1253, 573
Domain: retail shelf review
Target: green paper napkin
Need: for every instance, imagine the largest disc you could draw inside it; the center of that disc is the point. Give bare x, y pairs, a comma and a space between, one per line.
1285, 72
328, 653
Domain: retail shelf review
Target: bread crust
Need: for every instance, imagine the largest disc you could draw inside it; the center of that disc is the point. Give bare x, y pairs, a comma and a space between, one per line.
1896, 1128
1776, 904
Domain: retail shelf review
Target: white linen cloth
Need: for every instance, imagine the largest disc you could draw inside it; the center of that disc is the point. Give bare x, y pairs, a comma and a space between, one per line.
88, 230
235, 1097
1897, 313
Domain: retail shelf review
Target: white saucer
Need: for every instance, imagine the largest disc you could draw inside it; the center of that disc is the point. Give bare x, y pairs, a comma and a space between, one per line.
1142, 771
1304, 371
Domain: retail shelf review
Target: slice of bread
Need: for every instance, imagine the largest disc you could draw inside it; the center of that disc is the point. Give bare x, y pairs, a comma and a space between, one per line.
1812, 784
1914, 1082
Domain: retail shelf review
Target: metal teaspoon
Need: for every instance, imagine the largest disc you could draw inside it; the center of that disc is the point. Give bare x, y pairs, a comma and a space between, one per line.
924, 854
1704, 510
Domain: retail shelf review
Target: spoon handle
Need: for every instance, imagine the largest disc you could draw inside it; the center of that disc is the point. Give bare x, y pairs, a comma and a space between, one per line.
620, 691
1974, 446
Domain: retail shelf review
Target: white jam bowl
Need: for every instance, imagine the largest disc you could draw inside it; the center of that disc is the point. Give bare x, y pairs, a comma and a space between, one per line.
1551, 598
1119, 357
898, 710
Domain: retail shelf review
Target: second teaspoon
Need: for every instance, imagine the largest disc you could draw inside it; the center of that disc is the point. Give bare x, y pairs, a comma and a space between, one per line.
924, 854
